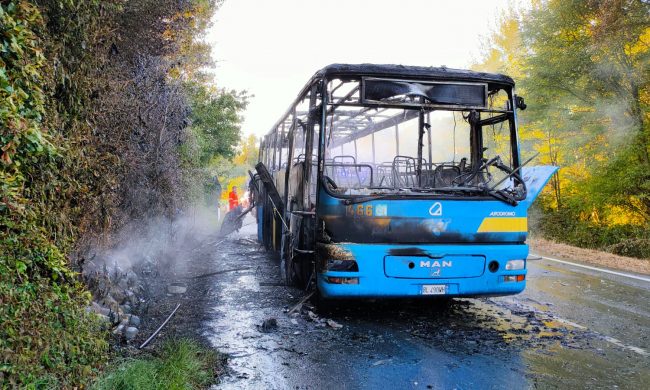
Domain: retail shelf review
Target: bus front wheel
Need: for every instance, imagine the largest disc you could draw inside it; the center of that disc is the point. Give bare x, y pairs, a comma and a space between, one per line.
295, 269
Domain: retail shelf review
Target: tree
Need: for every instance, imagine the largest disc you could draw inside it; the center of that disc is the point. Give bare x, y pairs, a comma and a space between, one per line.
216, 120
584, 69
588, 70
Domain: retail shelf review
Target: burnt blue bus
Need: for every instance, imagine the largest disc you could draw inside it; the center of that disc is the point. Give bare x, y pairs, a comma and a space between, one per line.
396, 181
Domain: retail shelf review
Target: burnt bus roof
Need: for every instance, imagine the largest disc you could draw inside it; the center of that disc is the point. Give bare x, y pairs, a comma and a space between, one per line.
402, 71
416, 72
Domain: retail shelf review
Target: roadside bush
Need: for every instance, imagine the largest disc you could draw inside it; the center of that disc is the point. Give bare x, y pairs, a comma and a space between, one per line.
93, 115
46, 338
181, 365
564, 225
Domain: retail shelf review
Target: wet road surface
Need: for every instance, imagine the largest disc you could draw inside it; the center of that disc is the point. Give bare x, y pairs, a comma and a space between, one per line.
571, 328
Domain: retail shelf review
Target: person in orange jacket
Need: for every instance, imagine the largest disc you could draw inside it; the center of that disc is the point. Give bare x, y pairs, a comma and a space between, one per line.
233, 198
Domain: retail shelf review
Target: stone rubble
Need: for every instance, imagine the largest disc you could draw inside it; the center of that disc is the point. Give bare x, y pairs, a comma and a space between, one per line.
116, 296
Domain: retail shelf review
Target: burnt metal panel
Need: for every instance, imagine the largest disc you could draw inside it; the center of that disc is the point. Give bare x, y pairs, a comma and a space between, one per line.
271, 190
471, 95
425, 72
405, 231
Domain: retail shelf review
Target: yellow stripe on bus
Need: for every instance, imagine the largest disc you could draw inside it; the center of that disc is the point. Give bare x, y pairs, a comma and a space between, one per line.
503, 225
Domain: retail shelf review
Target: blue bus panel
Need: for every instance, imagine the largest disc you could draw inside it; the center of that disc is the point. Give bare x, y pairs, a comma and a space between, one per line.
415, 247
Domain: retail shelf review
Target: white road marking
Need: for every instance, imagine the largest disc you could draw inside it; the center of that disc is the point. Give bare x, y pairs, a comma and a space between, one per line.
596, 269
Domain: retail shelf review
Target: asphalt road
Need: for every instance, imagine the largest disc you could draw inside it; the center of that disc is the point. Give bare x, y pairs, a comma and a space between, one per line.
572, 328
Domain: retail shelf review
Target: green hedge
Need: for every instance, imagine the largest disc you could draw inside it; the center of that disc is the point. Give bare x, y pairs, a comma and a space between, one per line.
46, 338
565, 226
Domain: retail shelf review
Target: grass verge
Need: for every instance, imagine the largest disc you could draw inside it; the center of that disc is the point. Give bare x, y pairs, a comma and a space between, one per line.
182, 364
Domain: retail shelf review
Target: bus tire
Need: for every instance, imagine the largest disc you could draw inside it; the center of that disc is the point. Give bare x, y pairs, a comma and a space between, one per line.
296, 270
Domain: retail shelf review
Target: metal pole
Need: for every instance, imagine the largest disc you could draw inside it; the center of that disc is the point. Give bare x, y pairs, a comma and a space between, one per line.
429, 136
397, 138
374, 161
420, 146
159, 328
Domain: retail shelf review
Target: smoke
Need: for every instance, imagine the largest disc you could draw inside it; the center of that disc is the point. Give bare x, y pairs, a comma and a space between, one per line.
159, 243
618, 81
621, 125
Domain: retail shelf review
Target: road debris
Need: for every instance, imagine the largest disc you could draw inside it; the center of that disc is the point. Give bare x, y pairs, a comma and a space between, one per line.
333, 324
312, 316
300, 303
147, 341
220, 272
177, 288
268, 325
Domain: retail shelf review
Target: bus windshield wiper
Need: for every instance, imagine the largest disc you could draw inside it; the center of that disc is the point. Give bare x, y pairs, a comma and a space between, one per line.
497, 194
514, 172
502, 196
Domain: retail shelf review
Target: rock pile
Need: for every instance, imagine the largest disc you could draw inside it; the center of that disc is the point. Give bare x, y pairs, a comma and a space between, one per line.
117, 294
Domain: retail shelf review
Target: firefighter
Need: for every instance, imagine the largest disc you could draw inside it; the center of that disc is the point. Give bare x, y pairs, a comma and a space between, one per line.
233, 198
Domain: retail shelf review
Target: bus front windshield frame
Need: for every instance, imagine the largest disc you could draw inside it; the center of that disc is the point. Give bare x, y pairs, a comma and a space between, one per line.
413, 138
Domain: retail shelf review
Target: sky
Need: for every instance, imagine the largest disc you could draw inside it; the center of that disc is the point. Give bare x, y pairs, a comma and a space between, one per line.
272, 48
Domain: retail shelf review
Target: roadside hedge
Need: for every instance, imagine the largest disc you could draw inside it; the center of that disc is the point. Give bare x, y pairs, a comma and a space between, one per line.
47, 339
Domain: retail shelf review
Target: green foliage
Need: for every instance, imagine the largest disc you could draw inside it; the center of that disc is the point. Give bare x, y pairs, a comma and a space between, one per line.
181, 365
46, 337
21, 99
584, 69
63, 158
620, 181
212, 138
216, 121
625, 240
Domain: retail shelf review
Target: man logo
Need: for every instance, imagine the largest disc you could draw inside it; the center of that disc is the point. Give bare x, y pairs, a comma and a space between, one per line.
436, 272
436, 209
435, 264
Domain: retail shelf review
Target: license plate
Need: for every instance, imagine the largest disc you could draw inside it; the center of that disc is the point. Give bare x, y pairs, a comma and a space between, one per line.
434, 289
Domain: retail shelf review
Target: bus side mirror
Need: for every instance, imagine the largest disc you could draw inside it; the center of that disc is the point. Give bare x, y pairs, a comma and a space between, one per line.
520, 103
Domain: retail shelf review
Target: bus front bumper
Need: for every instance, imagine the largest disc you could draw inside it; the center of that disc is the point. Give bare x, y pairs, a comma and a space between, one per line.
424, 270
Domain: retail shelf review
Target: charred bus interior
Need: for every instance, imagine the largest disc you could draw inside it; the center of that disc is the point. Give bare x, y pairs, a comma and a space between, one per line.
393, 138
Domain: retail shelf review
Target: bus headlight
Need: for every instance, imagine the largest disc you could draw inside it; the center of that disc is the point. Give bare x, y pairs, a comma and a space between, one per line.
342, 265
515, 264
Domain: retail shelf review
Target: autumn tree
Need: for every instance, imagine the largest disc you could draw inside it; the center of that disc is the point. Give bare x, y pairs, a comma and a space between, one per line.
583, 68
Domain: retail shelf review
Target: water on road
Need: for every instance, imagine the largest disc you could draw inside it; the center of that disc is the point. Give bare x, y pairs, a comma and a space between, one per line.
571, 328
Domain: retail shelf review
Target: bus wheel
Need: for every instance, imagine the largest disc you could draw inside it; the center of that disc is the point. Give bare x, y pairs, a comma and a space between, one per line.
296, 269
303, 269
